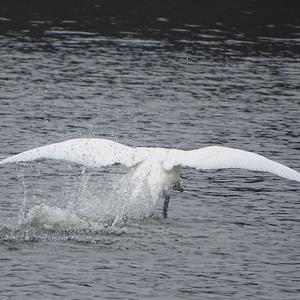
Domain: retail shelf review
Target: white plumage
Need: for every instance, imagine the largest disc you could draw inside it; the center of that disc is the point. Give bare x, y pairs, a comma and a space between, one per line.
159, 167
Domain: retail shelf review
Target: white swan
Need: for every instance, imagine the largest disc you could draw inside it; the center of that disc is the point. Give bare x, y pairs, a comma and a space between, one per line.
160, 168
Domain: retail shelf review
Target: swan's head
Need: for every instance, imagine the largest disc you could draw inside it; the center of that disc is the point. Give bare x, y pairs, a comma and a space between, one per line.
178, 186
174, 178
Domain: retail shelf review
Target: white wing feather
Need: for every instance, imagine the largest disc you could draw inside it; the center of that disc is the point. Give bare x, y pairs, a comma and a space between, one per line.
218, 157
101, 152
88, 152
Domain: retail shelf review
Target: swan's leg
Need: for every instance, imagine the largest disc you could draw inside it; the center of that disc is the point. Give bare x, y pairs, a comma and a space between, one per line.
166, 204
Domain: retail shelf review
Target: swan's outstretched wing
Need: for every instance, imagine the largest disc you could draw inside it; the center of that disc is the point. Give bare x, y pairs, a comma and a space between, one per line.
217, 157
88, 152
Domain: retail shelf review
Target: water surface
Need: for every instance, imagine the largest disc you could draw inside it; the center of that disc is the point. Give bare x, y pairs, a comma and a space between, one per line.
180, 75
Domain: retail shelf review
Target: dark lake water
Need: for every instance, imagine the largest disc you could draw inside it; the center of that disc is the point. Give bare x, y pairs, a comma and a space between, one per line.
178, 74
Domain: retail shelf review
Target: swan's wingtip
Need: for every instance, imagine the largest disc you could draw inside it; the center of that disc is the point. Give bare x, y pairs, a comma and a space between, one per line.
9, 159
4, 161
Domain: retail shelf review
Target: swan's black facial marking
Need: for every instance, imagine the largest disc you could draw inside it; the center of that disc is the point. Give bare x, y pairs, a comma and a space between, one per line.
177, 186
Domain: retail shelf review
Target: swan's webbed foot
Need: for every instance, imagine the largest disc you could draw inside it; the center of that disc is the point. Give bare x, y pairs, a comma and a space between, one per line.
166, 204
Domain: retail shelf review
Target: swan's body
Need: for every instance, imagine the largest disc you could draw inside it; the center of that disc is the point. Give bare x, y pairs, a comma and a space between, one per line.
157, 178
159, 168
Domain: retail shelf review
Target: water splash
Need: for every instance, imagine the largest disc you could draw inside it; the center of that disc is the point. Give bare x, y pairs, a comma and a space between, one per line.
91, 202
22, 211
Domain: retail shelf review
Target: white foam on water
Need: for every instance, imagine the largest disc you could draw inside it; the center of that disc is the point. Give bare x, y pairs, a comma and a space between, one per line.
54, 218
